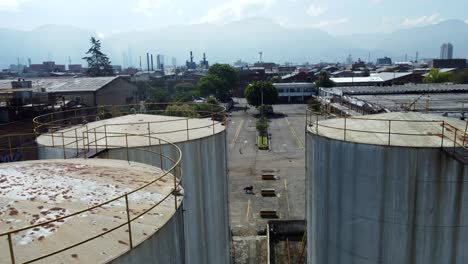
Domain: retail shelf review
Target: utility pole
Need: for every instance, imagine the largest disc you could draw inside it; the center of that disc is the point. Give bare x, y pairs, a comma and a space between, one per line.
262, 103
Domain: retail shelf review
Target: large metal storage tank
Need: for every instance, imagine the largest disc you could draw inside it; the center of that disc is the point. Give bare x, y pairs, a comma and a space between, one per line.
387, 188
89, 211
204, 163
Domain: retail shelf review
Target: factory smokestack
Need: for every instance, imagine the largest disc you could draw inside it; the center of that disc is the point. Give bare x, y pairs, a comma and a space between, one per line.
147, 61
152, 69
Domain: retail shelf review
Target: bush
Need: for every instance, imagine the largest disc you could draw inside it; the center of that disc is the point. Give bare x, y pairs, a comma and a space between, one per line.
181, 110
267, 109
314, 104
262, 127
212, 100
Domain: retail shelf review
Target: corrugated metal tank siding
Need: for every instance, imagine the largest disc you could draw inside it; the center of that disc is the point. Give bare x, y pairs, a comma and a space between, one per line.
165, 246
378, 204
205, 183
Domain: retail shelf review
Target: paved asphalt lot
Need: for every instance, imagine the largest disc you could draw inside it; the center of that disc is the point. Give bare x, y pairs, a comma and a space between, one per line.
246, 165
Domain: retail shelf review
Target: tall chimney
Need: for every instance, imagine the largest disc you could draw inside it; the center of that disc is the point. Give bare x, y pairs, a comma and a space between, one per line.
147, 61
191, 56
152, 62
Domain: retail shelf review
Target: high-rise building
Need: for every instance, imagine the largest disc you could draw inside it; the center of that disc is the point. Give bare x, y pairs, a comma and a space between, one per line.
446, 51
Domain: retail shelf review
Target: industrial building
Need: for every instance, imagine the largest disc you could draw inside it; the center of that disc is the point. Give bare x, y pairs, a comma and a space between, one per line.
88, 91
294, 92
379, 79
446, 99
386, 188
204, 163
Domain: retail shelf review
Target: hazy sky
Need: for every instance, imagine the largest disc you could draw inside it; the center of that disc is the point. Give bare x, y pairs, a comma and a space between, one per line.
333, 16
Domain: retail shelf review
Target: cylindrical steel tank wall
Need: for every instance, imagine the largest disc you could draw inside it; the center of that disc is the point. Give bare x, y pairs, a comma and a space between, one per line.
206, 216
164, 246
371, 204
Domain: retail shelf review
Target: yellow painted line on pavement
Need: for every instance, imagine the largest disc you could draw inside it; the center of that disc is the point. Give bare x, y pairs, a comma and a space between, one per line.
299, 142
248, 211
237, 132
286, 190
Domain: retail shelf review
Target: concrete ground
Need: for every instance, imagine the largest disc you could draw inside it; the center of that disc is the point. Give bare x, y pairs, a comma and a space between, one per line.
246, 165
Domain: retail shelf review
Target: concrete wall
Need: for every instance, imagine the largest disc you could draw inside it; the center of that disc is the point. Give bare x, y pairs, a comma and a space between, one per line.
165, 246
378, 204
206, 216
118, 92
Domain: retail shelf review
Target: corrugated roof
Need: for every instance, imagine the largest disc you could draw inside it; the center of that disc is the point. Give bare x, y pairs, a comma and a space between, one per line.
65, 84
374, 77
296, 85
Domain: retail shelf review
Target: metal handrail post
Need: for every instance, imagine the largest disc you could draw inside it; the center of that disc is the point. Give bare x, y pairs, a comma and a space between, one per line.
53, 140
212, 118
63, 146
149, 133
344, 136
316, 124
443, 134
187, 122
95, 140
174, 171
455, 141
10, 246
126, 146
76, 142
160, 155
128, 222
84, 146
389, 131
464, 134
9, 147
105, 135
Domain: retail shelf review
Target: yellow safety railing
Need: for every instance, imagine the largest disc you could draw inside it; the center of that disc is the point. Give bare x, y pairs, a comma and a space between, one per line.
173, 168
55, 121
450, 136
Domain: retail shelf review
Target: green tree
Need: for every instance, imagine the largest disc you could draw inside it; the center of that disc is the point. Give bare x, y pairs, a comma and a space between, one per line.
276, 79
461, 77
213, 85
435, 76
98, 62
226, 73
184, 92
159, 95
324, 80
184, 87
253, 93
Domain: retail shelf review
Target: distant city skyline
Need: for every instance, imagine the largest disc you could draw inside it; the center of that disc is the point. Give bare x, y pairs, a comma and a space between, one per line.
107, 17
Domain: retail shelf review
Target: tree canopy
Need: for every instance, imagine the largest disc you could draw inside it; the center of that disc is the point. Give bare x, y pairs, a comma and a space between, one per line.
98, 62
253, 93
276, 79
461, 77
226, 73
213, 85
435, 76
324, 80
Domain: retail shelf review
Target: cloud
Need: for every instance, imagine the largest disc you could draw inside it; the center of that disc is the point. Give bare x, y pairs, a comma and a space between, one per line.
466, 21
146, 7
331, 22
234, 10
315, 10
421, 21
11, 5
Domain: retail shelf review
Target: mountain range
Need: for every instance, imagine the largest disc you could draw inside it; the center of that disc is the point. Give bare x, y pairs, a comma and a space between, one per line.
229, 42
